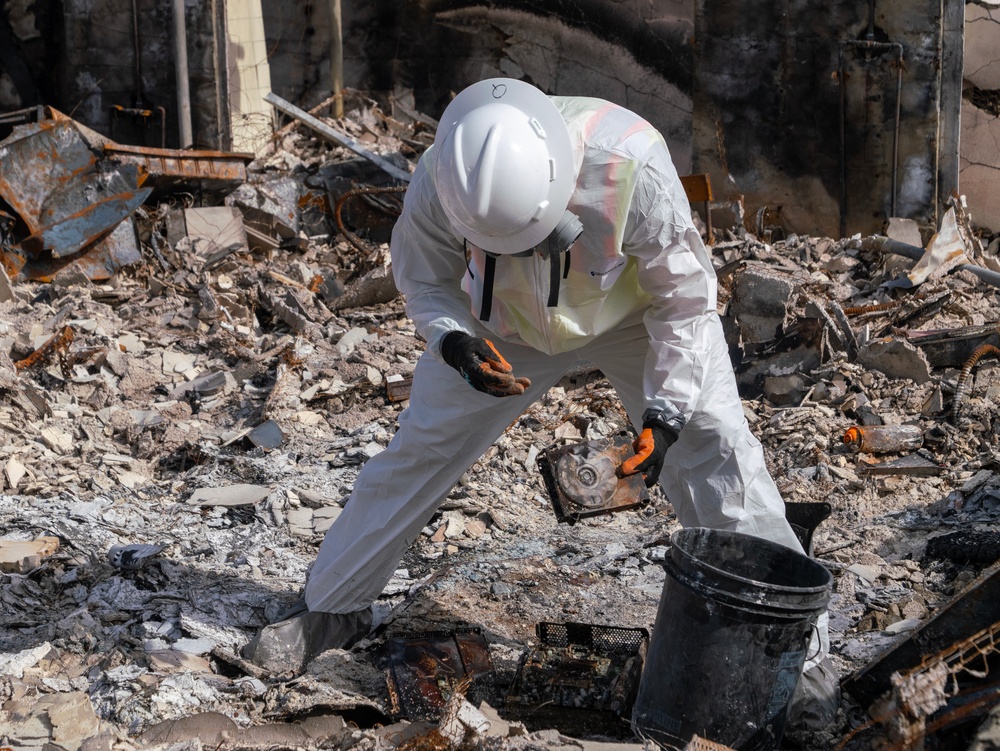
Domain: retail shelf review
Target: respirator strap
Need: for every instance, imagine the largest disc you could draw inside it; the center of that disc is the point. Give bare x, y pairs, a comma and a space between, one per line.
489, 273
555, 273
559, 241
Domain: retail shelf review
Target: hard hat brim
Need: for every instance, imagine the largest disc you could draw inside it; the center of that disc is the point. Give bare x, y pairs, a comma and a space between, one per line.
531, 100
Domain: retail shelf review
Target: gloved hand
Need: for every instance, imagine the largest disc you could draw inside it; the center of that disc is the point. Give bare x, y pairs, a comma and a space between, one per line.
650, 448
481, 365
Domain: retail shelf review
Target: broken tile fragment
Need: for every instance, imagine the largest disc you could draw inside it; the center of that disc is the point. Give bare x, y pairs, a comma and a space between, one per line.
242, 494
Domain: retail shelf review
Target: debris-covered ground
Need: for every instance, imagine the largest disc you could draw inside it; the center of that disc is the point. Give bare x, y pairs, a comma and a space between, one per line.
215, 399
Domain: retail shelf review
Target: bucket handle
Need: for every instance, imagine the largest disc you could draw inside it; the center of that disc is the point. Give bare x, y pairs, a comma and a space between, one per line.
814, 631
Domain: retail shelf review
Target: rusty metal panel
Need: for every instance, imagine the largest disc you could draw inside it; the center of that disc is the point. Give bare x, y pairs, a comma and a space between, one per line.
37, 160
421, 671
97, 262
169, 168
75, 232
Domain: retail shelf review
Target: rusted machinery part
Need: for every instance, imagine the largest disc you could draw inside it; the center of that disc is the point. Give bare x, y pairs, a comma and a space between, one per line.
879, 308
353, 239
57, 345
963, 378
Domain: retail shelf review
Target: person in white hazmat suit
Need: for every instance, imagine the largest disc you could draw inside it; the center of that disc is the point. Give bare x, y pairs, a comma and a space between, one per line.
537, 232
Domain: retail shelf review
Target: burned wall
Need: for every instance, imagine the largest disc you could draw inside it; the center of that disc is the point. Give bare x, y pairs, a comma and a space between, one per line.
105, 61
761, 82
980, 171
834, 115
633, 53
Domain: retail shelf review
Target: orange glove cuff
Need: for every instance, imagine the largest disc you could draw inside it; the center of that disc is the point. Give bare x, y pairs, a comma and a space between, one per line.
644, 446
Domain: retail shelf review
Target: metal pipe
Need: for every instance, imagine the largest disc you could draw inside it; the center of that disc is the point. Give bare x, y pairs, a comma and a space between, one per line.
337, 58
181, 73
323, 129
915, 253
138, 96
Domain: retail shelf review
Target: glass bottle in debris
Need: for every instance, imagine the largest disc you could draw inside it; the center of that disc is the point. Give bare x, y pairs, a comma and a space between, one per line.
884, 439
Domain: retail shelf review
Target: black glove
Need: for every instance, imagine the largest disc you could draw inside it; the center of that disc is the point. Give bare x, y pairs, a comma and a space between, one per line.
650, 448
481, 365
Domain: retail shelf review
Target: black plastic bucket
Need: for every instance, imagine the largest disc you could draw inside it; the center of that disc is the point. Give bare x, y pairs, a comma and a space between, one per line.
729, 641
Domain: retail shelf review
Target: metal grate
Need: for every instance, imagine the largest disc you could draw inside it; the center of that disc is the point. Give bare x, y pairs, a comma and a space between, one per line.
602, 639
581, 678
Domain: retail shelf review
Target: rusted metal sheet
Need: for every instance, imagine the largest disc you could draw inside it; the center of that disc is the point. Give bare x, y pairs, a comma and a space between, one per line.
76, 231
169, 169
74, 211
97, 262
40, 159
422, 670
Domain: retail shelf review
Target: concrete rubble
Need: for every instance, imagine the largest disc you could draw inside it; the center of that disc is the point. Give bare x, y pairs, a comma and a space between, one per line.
216, 397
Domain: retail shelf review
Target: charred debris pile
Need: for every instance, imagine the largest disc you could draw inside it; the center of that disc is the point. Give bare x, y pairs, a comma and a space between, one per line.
200, 349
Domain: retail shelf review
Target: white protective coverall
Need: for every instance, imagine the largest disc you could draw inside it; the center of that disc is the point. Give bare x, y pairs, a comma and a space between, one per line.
638, 301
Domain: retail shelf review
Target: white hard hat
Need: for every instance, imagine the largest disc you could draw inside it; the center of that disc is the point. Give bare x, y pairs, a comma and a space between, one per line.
505, 168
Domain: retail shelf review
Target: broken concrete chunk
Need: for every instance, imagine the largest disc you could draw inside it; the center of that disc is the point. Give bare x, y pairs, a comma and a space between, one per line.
56, 440
131, 343
116, 361
905, 231
308, 417
785, 390
14, 471
177, 661
145, 418
300, 521
214, 231
896, 358
199, 646
267, 435
351, 339
231, 495
868, 574
323, 518
761, 301
271, 208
